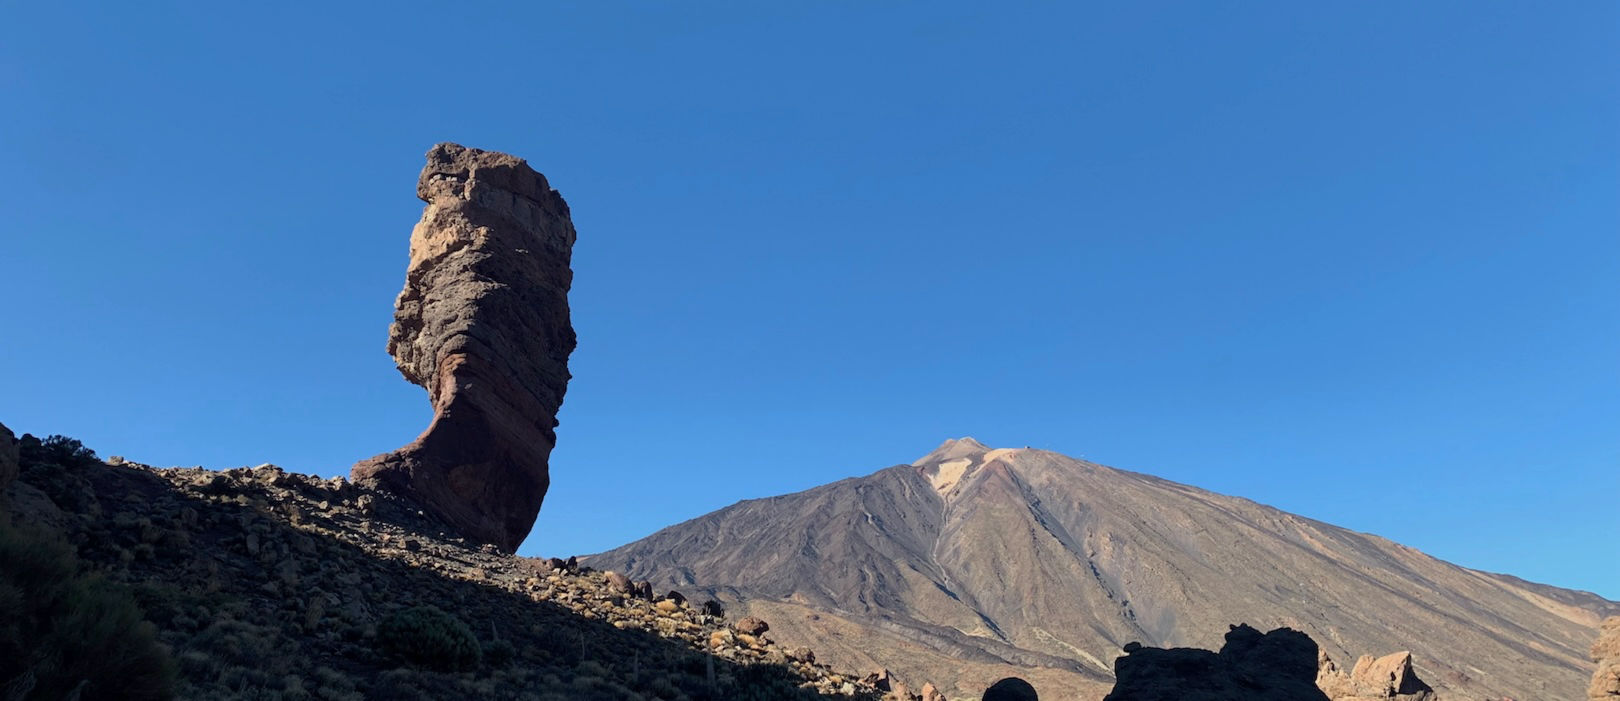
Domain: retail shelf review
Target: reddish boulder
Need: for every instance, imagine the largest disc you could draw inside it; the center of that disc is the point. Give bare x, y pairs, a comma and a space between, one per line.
752, 626
483, 325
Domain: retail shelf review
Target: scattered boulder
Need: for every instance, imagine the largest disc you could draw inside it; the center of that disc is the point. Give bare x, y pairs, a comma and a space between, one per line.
1606, 653
752, 626
879, 680
9, 465
932, 693
1011, 689
1252, 666
483, 325
713, 608
620, 583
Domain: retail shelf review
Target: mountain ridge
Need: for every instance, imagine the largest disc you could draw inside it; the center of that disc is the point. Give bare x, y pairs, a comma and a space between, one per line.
1026, 558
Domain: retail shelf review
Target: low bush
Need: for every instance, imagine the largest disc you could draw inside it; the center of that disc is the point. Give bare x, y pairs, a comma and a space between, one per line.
63, 631
425, 636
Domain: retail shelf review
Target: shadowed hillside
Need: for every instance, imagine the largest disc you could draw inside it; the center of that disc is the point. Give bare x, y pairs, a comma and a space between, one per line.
263, 584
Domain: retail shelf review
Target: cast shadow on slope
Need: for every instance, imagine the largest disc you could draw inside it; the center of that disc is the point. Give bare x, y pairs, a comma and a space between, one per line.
270, 585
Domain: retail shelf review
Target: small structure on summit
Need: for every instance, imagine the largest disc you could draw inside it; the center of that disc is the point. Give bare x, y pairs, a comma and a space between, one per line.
483, 325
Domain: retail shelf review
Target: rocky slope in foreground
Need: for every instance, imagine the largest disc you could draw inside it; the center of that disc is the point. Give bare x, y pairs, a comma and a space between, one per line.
269, 585
971, 564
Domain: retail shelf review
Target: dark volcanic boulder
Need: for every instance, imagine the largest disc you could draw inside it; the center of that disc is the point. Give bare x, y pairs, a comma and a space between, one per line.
1010, 689
483, 325
1251, 666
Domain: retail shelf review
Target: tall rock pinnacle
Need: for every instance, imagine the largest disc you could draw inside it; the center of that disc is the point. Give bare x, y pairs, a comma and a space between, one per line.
483, 325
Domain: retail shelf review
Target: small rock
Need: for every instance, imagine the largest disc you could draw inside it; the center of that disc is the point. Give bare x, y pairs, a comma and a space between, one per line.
620, 583
752, 626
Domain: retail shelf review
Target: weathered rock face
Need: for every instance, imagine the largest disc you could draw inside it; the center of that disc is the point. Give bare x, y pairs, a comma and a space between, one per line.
1387, 677
1606, 653
483, 325
8, 457
1251, 666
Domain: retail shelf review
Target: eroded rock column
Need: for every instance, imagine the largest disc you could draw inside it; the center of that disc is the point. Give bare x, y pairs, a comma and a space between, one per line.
483, 325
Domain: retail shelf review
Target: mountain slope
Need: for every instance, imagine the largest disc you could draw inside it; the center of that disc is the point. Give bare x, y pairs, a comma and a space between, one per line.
972, 560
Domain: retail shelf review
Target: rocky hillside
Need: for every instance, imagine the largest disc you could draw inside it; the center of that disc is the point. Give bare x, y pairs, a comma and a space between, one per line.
262, 584
971, 564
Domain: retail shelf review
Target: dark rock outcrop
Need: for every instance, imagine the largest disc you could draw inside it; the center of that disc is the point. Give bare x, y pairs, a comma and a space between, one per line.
483, 325
1251, 666
1011, 689
1606, 653
8, 457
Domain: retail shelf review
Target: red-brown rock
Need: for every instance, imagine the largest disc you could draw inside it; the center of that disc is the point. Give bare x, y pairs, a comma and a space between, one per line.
483, 325
1606, 653
752, 626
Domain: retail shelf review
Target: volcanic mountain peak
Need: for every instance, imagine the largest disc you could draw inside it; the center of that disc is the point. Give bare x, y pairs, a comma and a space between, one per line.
970, 560
953, 449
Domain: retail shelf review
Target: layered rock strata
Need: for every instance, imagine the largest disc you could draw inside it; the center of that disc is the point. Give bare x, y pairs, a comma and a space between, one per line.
483, 325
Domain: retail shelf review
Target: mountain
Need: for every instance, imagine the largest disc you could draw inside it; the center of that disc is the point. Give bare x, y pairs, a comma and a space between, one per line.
971, 564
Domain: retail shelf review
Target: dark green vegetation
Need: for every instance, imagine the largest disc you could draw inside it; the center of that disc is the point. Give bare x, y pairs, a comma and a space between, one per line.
65, 630
428, 637
261, 584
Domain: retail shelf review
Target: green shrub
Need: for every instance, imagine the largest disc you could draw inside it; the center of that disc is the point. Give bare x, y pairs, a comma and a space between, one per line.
55, 450
500, 653
71, 631
428, 637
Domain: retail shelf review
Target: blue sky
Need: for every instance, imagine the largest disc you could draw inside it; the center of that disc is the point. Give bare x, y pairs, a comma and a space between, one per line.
1360, 262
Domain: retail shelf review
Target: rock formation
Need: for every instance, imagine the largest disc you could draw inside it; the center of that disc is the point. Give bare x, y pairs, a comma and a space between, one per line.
1606, 653
1010, 689
483, 325
1251, 666
1387, 677
8, 457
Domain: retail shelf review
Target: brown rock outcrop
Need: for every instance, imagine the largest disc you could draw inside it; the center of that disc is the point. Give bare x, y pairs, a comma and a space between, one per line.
1387, 677
483, 325
1606, 653
1251, 666
9, 465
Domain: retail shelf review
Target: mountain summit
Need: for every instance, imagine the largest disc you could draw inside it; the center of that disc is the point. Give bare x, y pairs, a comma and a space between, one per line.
973, 560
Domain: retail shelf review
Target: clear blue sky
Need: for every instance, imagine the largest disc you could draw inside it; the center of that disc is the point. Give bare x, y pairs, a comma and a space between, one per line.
1357, 261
